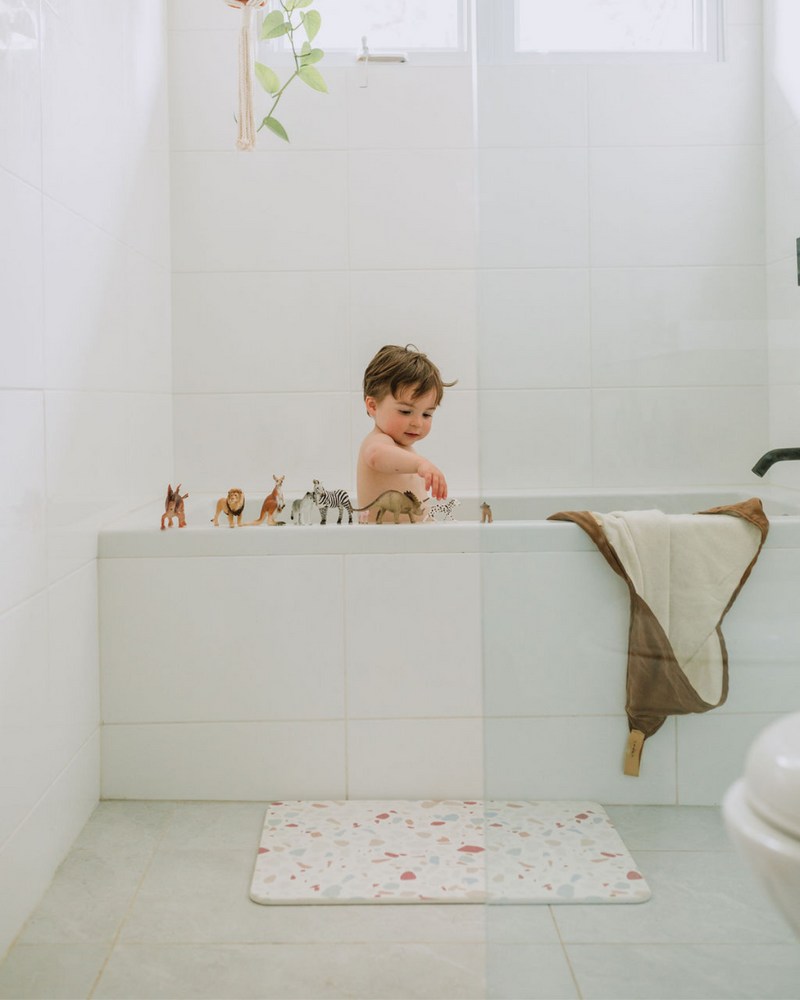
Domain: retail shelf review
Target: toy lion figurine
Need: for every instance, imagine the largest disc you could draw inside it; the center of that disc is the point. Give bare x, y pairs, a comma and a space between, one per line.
173, 507
232, 505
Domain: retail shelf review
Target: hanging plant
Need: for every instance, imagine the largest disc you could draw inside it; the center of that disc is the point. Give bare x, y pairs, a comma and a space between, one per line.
276, 24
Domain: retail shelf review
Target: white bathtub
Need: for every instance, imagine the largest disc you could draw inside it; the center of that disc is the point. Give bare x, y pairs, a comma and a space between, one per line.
442, 660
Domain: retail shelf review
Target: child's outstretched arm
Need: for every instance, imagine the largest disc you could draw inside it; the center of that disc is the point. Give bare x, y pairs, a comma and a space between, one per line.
390, 458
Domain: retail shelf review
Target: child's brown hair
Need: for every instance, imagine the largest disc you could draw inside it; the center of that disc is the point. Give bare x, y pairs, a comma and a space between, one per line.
394, 367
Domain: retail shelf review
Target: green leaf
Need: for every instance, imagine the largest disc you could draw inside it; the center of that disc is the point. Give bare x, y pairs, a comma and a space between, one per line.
271, 22
314, 55
275, 126
305, 49
291, 4
302, 3
268, 80
313, 78
311, 22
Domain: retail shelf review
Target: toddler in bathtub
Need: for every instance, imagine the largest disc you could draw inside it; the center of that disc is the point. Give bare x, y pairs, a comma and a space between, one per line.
402, 389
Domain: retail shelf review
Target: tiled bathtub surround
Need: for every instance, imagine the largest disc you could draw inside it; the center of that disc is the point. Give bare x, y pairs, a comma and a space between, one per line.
275, 678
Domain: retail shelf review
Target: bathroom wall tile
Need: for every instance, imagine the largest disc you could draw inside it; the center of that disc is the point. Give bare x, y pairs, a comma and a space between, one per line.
149, 231
22, 538
289, 329
784, 401
677, 437
678, 326
415, 759
232, 761
534, 328
525, 106
21, 284
452, 444
565, 757
435, 310
781, 76
37, 847
204, 78
80, 172
555, 634
409, 107
20, 84
275, 666
148, 309
92, 23
106, 453
23, 710
557, 428
743, 12
85, 283
721, 743
655, 206
783, 321
761, 638
275, 211
673, 104
438, 672
73, 710
533, 208
782, 161
185, 14
243, 440
411, 209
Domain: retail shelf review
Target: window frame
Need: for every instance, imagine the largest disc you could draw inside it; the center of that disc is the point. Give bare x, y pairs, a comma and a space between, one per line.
271, 52
498, 40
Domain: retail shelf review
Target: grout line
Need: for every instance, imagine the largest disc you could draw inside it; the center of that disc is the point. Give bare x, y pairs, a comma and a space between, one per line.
133, 900
346, 720
566, 954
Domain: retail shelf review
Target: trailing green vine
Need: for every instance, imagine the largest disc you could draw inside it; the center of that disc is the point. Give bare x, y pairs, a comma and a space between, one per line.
279, 23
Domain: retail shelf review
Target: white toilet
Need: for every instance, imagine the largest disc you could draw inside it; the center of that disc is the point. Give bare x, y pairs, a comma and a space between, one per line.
762, 813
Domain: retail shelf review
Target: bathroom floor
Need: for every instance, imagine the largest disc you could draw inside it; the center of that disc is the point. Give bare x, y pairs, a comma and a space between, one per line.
152, 901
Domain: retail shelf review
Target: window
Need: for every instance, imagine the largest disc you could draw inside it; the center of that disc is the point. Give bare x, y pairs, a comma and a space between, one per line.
604, 30
430, 32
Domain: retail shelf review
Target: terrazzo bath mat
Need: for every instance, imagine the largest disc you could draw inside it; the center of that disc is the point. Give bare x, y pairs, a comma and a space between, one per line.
443, 851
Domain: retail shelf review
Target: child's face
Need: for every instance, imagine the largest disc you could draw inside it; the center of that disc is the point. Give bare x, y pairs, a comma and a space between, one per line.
405, 419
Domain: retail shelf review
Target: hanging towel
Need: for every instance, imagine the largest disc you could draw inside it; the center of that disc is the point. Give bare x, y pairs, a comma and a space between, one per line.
683, 571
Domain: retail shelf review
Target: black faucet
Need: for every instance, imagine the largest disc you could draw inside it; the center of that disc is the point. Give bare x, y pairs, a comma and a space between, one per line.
776, 455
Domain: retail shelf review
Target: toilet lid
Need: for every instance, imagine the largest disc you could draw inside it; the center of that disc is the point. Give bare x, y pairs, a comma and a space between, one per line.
772, 774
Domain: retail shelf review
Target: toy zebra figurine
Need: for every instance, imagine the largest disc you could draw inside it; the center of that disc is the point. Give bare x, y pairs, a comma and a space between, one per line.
444, 507
325, 500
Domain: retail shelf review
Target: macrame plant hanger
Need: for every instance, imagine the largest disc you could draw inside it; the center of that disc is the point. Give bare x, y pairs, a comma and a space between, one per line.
246, 134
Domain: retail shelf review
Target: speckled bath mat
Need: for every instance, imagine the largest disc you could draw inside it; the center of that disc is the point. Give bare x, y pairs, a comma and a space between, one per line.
443, 851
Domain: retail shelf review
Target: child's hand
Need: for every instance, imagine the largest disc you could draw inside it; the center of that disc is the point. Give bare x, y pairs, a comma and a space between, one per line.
434, 479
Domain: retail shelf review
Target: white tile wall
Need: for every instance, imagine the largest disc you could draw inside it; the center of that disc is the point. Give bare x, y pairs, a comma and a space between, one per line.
84, 258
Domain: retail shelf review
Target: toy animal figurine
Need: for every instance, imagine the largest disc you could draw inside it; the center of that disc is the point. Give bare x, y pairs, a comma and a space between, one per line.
232, 505
486, 513
325, 500
301, 509
274, 502
173, 507
443, 507
396, 503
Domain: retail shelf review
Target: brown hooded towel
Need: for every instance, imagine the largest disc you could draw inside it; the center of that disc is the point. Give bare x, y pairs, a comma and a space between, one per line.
683, 573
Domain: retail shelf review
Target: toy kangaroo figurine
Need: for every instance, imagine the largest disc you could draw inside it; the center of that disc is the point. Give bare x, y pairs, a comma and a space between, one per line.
274, 502
173, 507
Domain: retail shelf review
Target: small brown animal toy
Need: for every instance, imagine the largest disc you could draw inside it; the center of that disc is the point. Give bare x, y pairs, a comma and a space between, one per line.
232, 505
486, 512
173, 507
274, 502
396, 503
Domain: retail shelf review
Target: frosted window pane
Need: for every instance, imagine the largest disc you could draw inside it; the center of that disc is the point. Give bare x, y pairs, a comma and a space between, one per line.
606, 26
388, 24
